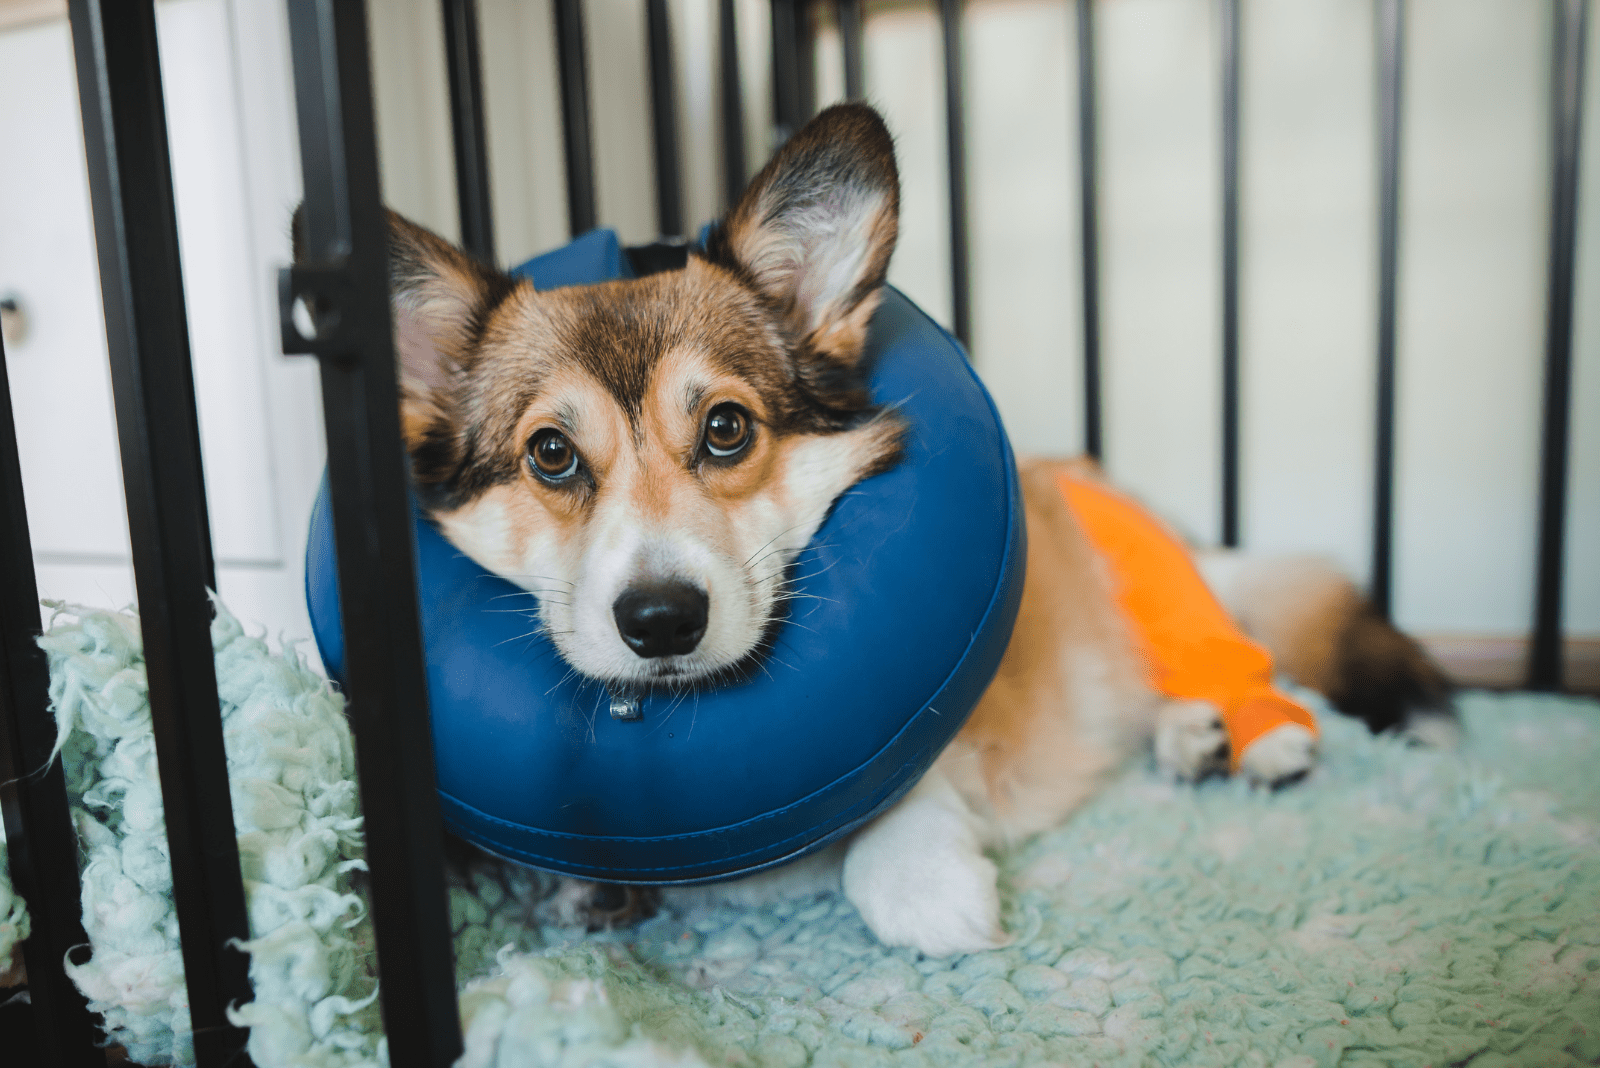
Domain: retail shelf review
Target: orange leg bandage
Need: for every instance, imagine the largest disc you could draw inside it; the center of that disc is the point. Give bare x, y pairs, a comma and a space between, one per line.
1194, 650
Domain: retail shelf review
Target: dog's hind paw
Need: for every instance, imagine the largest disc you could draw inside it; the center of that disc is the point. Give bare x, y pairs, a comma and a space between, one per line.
1280, 756
1433, 729
1190, 741
599, 906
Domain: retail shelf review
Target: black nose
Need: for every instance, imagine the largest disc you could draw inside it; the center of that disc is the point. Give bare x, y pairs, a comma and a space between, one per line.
661, 619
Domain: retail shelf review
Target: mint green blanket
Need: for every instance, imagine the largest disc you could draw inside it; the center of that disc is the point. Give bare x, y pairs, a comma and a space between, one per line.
1400, 907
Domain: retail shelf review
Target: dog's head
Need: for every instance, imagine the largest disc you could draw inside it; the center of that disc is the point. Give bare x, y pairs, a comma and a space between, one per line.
647, 457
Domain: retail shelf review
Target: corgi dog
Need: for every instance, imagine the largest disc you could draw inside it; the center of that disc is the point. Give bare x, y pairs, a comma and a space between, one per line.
648, 457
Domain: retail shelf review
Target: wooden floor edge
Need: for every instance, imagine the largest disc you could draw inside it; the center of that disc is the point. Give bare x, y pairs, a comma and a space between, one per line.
1501, 663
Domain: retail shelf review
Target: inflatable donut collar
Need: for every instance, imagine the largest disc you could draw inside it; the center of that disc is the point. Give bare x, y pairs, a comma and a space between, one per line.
916, 584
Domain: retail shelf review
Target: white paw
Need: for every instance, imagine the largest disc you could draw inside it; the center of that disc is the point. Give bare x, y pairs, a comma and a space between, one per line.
1190, 740
1433, 730
597, 906
569, 905
1280, 754
919, 878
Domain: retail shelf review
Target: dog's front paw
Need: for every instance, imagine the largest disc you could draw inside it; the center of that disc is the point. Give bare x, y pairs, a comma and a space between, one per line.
1190, 741
1280, 756
919, 878
599, 906
938, 910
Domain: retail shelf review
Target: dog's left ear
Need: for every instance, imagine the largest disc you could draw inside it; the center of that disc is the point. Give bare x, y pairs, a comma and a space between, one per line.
814, 232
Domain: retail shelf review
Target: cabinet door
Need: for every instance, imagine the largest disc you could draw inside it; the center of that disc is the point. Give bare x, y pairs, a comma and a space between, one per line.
61, 391
234, 172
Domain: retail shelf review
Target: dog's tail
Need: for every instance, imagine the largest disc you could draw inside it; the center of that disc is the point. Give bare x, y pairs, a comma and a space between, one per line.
1324, 634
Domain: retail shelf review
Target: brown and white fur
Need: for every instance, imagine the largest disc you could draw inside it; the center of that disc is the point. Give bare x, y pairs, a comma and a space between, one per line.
581, 443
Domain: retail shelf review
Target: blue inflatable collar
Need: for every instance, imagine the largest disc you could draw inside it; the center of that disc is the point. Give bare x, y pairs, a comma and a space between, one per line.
917, 582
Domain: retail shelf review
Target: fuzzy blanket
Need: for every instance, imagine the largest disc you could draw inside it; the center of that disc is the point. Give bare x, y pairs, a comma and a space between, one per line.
1400, 907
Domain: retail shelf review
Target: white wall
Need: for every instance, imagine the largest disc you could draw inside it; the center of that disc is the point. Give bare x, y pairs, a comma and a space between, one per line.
1582, 591
1475, 191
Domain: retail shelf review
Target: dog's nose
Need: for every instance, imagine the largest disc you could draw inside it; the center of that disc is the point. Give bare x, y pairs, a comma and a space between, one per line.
661, 619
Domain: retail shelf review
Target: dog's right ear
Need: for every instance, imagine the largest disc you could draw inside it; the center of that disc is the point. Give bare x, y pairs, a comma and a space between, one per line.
441, 298
813, 234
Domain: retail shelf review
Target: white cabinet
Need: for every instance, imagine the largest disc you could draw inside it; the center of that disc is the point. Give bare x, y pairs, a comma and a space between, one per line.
61, 392
235, 171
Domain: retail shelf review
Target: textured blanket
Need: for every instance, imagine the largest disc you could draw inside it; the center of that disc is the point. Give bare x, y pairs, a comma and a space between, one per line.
1399, 907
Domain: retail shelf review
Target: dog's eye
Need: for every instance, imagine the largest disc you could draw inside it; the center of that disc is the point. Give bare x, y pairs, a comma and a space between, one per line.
552, 455
729, 429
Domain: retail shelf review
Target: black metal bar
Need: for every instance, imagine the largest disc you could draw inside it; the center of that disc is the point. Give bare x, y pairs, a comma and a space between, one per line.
734, 164
468, 127
1089, 225
41, 845
344, 269
1391, 47
573, 64
1545, 666
141, 285
1230, 272
664, 120
853, 38
17, 1030
956, 144
786, 89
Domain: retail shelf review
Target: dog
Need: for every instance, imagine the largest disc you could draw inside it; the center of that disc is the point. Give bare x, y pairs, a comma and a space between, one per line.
648, 457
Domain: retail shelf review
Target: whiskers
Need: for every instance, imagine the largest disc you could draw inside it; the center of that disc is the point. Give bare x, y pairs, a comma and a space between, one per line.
543, 598
785, 582
515, 576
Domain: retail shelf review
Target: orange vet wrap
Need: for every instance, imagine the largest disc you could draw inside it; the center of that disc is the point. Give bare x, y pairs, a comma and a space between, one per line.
1193, 649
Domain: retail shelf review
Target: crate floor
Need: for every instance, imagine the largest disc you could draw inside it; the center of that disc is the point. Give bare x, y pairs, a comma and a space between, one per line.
1400, 906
